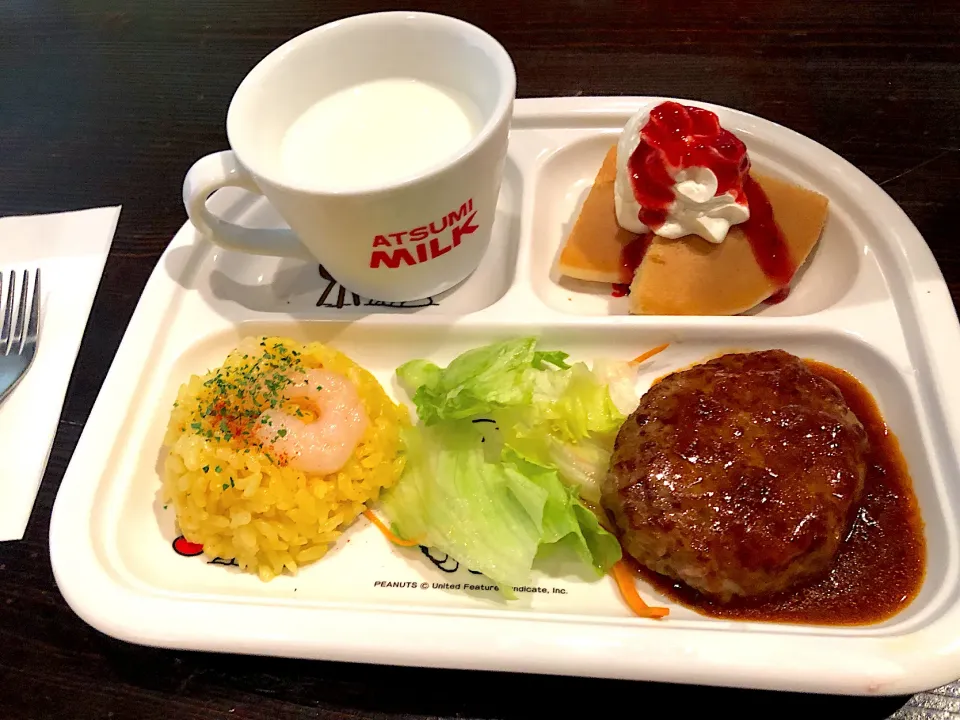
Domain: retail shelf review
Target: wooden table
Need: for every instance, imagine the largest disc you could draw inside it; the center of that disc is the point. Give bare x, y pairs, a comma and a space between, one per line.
109, 101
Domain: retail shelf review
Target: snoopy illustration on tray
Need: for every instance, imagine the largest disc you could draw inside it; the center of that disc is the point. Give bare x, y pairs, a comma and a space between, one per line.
337, 297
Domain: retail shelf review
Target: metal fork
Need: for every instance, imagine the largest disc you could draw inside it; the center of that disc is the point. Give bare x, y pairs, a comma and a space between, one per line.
18, 349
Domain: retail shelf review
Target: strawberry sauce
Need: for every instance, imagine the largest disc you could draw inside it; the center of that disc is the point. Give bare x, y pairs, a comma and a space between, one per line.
769, 247
677, 137
630, 257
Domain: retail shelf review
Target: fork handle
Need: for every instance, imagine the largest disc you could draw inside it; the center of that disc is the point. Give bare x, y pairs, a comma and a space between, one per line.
222, 169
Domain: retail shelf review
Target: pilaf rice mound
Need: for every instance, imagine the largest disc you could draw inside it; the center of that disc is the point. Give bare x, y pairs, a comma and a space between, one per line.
237, 500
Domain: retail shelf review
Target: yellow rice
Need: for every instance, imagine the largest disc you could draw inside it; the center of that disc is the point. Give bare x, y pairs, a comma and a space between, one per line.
237, 500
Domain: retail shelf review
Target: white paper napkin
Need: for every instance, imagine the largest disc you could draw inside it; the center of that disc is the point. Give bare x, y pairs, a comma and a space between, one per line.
70, 249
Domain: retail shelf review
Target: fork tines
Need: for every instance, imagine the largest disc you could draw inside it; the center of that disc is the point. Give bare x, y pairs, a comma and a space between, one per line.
24, 333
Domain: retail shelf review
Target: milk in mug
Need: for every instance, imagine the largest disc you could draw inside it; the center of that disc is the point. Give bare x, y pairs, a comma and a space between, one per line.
376, 133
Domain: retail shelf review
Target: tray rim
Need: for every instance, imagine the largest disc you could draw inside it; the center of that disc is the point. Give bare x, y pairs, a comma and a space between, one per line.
482, 642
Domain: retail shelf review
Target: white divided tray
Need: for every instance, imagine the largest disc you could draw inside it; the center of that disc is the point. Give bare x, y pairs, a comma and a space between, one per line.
871, 300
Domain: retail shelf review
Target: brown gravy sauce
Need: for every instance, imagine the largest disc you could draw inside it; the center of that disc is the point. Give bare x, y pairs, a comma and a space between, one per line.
880, 567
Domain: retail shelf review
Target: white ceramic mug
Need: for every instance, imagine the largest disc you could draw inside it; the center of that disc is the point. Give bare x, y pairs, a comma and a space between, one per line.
394, 242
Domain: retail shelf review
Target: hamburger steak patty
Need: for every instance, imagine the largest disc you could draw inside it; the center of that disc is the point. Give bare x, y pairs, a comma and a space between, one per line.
738, 477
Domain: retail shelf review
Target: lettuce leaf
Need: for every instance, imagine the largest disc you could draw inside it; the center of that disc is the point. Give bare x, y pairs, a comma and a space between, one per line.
582, 465
569, 424
620, 377
493, 514
491, 494
475, 383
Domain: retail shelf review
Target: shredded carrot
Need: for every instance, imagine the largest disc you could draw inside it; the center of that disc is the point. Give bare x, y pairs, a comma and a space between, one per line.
649, 353
387, 532
628, 589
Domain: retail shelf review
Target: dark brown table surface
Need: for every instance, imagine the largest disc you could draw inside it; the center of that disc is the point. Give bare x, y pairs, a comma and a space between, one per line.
109, 101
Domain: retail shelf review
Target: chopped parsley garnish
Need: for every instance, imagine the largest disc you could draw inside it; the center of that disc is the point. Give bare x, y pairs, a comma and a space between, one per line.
218, 469
206, 468
230, 408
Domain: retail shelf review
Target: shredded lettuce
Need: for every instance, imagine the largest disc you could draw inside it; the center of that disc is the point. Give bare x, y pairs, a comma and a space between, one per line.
492, 494
620, 377
478, 381
492, 514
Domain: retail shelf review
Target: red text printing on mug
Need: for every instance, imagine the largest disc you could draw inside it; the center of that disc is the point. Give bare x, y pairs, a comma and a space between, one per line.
426, 242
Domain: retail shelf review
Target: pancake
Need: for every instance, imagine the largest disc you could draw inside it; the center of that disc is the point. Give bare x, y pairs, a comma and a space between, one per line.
687, 276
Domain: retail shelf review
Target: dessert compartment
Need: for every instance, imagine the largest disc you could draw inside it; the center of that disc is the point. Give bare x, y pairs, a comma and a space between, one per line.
136, 533
842, 271
237, 285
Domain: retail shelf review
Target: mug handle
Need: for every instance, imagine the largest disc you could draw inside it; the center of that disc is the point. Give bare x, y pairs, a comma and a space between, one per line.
221, 169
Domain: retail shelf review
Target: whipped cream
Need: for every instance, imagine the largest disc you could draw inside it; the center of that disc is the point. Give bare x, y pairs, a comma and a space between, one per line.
696, 208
